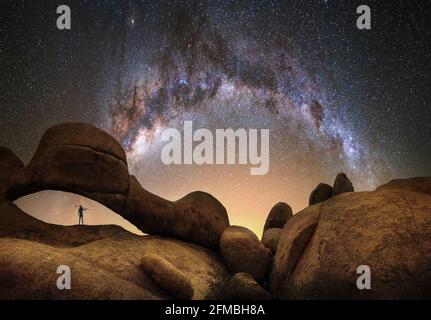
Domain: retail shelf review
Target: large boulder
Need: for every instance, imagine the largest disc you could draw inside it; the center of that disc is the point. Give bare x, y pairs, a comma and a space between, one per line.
243, 252
242, 286
79, 158
271, 237
342, 184
278, 216
167, 276
322, 247
321, 193
105, 261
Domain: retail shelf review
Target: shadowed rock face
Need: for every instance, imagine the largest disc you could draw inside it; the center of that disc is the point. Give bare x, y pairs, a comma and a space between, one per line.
388, 230
271, 238
243, 252
318, 252
82, 159
321, 193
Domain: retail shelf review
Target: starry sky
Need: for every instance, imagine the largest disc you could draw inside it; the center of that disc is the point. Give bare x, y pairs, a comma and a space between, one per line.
335, 98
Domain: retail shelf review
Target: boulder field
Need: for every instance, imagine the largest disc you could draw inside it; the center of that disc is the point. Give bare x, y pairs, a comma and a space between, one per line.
388, 230
191, 251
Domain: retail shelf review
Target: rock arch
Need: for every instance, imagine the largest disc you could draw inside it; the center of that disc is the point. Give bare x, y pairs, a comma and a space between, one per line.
81, 159
60, 208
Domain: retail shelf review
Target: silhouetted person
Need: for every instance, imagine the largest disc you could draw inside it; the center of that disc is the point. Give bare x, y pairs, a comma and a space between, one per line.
81, 210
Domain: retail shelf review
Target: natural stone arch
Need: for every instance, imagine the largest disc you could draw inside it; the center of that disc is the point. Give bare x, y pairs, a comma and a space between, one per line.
81, 159
61, 208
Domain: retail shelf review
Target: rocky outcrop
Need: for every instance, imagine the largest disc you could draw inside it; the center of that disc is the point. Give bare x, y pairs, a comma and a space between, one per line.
388, 230
243, 252
317, 251
342, 184
278, 216
82, 159
29, 271
242, 286
105, 261
271, 237
321, 193
417, 184
167, 276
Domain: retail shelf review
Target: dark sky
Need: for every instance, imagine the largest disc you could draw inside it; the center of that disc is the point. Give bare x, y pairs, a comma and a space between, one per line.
133, 68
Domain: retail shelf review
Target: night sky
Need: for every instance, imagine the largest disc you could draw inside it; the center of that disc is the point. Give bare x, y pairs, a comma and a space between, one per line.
335, 98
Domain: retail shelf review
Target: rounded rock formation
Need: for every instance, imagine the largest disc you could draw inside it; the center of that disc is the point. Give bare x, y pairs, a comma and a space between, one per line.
321, 193
271, 237
342, 184
167, 276
242, 286
322, 247
73, 157
243, 252
278, 216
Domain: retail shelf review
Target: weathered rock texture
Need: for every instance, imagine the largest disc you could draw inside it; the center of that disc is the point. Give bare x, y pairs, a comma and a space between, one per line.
167, 276
105, 261
243, 252
82, 159
388, 230
242, 286
321, 193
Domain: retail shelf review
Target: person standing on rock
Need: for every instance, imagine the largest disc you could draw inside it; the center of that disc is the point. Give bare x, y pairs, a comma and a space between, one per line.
81, 210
